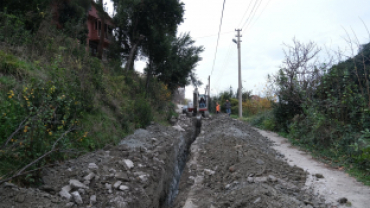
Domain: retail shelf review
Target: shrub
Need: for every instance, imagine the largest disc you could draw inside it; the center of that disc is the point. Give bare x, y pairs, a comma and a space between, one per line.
142, 113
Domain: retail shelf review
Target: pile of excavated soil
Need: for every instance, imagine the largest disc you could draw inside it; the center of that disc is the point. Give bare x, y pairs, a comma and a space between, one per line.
137, 173
232, 165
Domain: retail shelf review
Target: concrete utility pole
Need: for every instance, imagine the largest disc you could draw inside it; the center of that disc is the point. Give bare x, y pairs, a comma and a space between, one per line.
239, 70
209, 92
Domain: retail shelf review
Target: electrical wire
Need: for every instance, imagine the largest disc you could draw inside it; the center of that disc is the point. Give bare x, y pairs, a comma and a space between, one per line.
218, 38
258, 16
245, 13
212, 35
252, 13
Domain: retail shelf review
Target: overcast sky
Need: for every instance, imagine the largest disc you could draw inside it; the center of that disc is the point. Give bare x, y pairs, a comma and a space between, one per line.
274, 22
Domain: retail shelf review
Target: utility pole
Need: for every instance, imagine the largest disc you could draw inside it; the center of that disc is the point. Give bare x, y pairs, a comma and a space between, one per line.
209, 92
239, 72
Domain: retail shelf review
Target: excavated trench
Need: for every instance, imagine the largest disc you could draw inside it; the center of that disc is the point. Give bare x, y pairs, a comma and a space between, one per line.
181, 155
229, 164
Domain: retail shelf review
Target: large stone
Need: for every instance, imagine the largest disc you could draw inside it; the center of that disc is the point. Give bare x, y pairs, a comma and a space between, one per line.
272, 178
75, 184
93, 166
121, 176
65, 195
178, 128
77, 197
69, 204
108, 186
92, 199
117, 184
128, 164
67, 188
123, 187
89, 177
260, 179
209, 172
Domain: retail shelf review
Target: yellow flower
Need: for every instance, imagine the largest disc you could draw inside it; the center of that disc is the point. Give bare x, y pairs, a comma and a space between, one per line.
10, 97
50, 133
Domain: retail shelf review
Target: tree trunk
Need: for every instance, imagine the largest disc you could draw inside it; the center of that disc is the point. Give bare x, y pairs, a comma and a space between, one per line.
131, 57
130, 60
148, 74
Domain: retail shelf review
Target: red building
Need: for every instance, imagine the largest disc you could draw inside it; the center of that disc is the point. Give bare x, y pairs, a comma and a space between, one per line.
96, 29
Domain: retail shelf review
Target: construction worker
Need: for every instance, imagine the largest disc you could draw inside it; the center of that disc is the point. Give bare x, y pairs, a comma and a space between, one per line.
228, 107
217, 107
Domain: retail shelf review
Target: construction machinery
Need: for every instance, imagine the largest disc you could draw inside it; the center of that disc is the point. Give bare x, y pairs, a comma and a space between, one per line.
199, 104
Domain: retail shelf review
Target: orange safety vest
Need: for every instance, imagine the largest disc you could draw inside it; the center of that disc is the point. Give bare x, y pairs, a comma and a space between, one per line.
218, 108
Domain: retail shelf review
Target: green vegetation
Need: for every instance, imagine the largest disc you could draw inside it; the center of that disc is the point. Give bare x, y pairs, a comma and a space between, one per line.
324, 108
57, 101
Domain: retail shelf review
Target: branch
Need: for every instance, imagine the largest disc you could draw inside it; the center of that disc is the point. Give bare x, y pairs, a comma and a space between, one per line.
41, 157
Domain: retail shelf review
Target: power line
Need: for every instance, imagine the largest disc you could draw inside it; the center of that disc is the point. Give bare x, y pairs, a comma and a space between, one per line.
252, 13
245, 13
218, 38
258, 16
212, 35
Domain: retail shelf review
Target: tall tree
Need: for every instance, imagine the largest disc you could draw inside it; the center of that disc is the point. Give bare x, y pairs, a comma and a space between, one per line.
178, 66
140, 22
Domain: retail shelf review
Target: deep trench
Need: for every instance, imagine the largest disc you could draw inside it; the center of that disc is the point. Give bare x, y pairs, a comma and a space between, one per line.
180, 161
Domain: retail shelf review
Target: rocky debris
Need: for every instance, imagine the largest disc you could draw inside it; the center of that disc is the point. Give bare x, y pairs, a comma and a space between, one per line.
93, 166
319, 175
77, 197
178, 128
343, 200
128, 164
136, 173
247, 171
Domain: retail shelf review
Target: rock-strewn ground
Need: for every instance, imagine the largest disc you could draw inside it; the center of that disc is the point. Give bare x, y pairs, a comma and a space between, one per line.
232, 165
137, 173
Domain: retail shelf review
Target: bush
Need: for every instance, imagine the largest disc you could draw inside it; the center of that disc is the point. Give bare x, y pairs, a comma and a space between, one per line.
142, 113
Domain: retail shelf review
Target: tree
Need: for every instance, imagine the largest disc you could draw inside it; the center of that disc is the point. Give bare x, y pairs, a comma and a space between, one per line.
140, 23
177, 68
296, 81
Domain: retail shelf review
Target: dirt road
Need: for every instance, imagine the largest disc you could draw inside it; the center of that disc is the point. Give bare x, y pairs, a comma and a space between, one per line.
335, 184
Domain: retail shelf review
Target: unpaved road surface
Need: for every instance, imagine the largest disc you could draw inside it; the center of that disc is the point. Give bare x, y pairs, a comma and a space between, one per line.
335, 184
229, 165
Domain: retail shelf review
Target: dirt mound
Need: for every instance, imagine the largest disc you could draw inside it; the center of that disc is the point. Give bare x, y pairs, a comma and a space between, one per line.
137, 173
232, 165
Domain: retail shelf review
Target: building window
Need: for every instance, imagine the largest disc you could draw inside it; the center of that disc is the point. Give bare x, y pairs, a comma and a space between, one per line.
96, 24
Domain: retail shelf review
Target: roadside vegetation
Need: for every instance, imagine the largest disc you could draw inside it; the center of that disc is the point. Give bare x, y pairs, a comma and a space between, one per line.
57, 101
323, 105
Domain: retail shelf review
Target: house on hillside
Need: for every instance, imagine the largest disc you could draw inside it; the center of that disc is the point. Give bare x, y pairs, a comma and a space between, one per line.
96, 29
